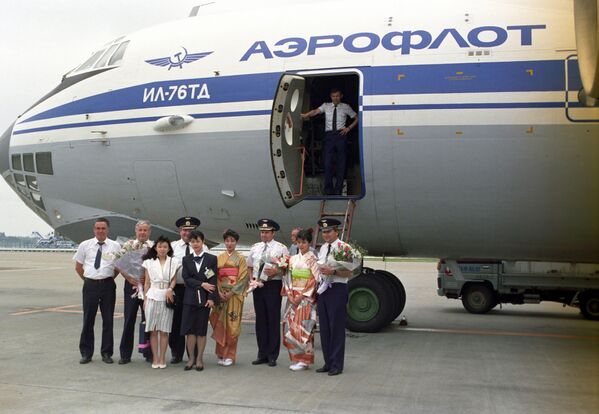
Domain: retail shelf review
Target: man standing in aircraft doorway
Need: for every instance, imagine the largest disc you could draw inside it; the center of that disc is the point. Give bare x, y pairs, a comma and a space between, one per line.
335, 142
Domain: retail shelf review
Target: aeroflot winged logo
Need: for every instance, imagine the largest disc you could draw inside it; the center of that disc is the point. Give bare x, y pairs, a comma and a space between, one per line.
177, 60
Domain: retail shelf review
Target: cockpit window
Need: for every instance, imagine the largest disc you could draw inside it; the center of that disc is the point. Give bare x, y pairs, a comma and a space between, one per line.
104, 60
109, 55
118, 55
90, 62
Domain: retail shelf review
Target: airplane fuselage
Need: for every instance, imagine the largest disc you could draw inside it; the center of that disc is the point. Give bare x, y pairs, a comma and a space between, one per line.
472, 142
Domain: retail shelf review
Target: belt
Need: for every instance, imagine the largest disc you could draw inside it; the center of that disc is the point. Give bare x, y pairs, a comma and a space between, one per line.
160, 285
99, 280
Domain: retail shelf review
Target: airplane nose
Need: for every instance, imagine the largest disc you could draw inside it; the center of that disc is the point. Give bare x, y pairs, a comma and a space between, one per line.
4, 147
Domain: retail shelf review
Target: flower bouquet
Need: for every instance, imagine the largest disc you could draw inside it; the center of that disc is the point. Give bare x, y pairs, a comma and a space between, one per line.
128, 260
343, 256
267, 262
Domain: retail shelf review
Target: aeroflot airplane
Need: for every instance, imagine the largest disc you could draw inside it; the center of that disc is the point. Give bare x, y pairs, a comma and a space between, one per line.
478, 133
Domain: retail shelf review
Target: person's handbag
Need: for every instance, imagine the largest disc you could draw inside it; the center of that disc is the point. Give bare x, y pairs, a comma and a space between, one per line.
169, 304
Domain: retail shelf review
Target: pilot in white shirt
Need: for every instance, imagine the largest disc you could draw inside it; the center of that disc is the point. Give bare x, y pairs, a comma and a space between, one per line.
266, 283
335, 139
94, 265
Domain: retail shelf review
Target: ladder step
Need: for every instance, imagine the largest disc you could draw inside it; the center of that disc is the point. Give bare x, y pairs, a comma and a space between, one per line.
333, 214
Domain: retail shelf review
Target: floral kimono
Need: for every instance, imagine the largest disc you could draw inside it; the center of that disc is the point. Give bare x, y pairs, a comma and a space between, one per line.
226, 316
299, 320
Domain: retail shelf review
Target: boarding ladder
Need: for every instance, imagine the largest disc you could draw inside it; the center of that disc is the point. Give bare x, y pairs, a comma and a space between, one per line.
346, 218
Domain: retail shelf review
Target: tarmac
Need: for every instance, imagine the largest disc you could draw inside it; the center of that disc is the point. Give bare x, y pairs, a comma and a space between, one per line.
541, 358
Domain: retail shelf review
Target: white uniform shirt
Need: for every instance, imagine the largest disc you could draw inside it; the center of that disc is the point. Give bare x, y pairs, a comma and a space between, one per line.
322, 258
86, 255
179, 249
257, 255
343, 111
158, 274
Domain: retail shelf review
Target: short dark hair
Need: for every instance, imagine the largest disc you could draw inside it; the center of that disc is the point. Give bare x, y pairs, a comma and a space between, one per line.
153, 253
103, 220
335, 90
305, 235
231, 233
196, 234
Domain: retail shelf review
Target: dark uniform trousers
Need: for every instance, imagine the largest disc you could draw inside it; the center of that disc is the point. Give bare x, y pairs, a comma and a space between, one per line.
131, 306
332, 316
176, 341
335, 149
267, 305
97, 293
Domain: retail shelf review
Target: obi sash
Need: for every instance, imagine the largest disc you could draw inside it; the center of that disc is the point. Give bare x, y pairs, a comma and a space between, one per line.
228, 275
300, 278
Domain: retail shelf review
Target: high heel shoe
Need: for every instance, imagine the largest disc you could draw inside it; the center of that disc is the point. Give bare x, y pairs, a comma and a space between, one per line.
188, 367
200, 368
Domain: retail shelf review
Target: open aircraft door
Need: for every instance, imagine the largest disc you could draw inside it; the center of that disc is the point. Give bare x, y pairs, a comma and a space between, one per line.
286, 144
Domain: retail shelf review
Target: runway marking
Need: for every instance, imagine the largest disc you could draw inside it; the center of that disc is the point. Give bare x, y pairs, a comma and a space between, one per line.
59, 309
500, 333
33, 269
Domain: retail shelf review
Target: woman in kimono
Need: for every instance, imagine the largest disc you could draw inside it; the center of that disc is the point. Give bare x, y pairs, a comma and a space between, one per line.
299, 285
226, 317
160, 276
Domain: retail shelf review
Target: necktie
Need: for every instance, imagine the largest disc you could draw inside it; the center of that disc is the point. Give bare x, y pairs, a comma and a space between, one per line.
187, 249
328, 250
263, 259
98, 256
335, 118
197, 259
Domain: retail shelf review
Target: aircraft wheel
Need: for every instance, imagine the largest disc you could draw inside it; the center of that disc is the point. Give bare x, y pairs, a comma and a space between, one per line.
401, 292
478, 298
369, 304
589, 304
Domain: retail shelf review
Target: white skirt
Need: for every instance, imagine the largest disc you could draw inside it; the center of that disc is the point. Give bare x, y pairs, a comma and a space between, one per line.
158, 316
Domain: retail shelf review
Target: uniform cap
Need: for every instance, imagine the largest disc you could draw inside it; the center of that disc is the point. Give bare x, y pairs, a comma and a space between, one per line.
187, 223
328, 224
268, 224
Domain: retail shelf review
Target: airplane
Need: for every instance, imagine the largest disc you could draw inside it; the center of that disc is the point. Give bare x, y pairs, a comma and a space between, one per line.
478, 132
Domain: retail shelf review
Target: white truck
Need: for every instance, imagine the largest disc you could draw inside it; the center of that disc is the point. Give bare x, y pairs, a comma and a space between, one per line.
483, 284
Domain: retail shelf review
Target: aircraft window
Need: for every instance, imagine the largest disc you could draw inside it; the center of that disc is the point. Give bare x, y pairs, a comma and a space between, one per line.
118, 55
43, 161
28, 163
16, 162
37, 200
90, 62
32, 182
105, 57
19, 179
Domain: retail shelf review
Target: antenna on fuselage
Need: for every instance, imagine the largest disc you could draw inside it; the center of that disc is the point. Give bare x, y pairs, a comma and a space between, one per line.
196, 9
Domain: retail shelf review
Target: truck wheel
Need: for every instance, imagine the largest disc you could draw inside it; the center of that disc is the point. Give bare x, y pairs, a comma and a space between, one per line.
478, 298
368, 305
589, 305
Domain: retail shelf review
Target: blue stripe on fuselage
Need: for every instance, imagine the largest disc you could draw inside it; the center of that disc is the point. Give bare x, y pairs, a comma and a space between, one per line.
522, 76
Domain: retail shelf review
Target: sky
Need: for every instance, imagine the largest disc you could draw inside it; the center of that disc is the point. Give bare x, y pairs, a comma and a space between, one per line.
40, 40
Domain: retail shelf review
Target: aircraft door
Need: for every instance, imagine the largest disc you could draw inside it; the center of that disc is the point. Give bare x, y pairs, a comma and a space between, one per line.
287, 150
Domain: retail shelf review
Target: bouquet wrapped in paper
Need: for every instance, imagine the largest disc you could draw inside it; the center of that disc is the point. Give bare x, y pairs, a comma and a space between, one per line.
128, 260
267, 262
343, 257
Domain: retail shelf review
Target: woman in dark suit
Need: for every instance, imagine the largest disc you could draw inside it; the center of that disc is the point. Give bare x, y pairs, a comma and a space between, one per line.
199, 274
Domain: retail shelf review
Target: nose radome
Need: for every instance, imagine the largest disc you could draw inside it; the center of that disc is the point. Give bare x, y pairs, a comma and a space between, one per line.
4, 147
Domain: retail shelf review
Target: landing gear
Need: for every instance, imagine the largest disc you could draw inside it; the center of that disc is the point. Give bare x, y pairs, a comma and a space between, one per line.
376, 298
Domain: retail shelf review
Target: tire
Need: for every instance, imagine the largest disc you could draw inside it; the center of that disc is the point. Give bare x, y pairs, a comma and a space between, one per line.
478, 298
401, 292
369, 304
390, 287
589, 304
